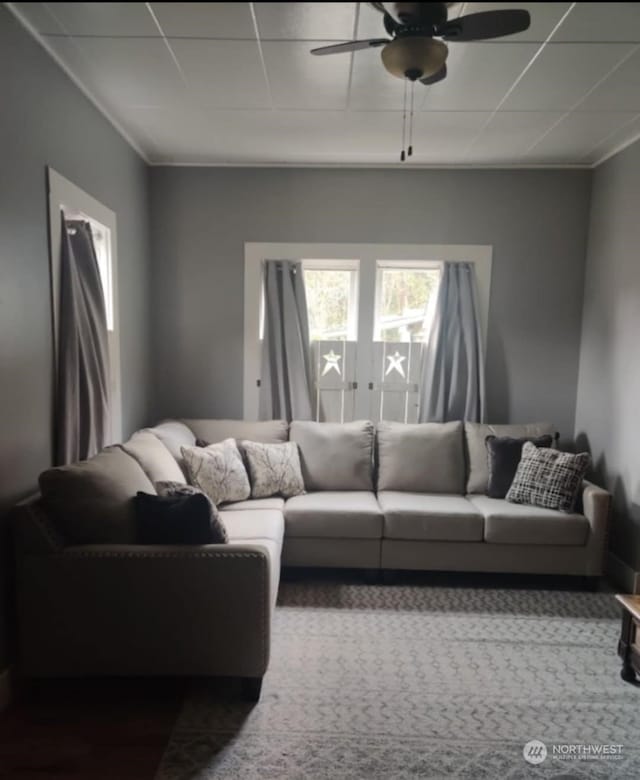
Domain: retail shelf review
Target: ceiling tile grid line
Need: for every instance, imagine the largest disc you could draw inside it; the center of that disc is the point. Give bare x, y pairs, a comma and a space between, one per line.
586, 157
167, 44
261, 53
584, 97
520, 77
354, 35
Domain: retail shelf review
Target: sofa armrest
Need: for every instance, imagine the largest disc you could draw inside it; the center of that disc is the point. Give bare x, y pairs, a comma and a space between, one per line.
145, 610
596, 507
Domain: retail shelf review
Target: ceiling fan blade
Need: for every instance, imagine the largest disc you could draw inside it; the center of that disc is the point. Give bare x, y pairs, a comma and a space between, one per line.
484, 25
351, 46
436, 77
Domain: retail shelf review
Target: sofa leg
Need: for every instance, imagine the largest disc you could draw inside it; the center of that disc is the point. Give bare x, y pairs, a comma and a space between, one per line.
251, 688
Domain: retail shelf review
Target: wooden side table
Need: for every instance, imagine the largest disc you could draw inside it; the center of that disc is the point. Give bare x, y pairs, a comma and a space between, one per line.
629, 643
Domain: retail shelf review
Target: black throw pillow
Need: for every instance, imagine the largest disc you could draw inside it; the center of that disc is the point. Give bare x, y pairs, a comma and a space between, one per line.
177, 519
504, 454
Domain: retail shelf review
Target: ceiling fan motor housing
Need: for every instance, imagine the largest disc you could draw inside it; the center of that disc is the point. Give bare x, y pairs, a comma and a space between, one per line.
414, 58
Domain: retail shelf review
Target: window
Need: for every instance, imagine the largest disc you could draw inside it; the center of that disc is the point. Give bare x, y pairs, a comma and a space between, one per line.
331, 287
405, 298
368, 319
102, 242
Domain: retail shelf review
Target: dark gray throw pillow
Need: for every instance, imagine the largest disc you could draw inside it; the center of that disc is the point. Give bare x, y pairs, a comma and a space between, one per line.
548, 478
503, 455
179, 514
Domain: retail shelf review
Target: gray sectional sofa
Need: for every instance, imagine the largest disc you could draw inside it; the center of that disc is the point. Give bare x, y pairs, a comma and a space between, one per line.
392, 497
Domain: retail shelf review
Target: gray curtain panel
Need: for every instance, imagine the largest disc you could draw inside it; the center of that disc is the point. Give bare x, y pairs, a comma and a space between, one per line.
82, 391
452, 385
285, 380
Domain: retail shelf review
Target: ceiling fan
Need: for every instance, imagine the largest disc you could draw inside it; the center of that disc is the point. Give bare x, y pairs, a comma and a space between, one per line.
413, 52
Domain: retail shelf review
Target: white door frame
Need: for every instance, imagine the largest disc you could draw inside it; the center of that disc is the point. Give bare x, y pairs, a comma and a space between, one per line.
76, 203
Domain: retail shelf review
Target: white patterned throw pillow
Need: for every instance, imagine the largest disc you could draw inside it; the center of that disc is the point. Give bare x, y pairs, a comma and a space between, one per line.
274, 469
218, 471
548, 478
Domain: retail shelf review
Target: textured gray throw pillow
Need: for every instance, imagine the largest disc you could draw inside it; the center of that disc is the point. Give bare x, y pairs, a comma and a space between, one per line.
548, 478
218, 471
274, 469
218, 528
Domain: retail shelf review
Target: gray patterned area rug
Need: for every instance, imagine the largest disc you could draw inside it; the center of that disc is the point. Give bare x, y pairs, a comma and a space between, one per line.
416, 681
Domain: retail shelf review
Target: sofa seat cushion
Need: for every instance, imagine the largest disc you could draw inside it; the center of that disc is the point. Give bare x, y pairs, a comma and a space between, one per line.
424, 516
249, 524
334, 514
275, 502
507, 523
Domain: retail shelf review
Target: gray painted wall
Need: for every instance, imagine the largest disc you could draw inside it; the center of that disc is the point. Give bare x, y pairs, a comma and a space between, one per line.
45, 120
608, 406
535, 220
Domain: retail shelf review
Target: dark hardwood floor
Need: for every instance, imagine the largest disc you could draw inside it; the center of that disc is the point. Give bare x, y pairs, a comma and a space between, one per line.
88, 729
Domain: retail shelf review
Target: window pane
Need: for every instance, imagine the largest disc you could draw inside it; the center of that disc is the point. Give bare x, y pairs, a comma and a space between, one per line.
330, 304
403, 312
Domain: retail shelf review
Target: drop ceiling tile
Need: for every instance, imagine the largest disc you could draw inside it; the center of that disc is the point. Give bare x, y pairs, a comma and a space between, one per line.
562, 75
601, 22
620, 91
544, 17
370, 23
575, 136
131, 71
205, 20
510, 134
298, 79
445, 135
372, 87
305, 21
224, 74
627, 133
285, 136
119, 19
479, 75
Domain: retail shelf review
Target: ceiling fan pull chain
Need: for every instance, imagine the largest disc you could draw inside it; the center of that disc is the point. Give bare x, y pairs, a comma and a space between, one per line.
404, 122
410, 149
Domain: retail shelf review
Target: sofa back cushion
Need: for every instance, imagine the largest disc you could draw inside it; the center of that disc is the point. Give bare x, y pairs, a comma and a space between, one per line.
335, 456
477, 460
213, 431
91, 502
175, 435
421, 457
154, 457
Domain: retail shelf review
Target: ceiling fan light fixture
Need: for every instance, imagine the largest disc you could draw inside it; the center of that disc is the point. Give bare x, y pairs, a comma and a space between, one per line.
414, 57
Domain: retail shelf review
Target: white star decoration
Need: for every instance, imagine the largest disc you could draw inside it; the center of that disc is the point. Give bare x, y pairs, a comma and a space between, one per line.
395, 364
331, 363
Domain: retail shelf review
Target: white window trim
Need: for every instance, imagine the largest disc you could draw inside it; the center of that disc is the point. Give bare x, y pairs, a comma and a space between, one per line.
66, 196
256, 253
